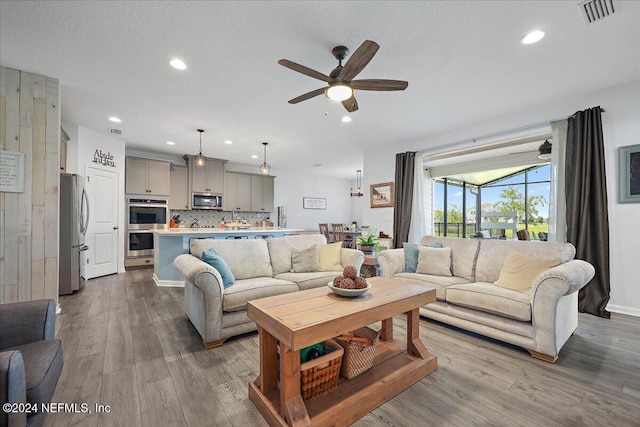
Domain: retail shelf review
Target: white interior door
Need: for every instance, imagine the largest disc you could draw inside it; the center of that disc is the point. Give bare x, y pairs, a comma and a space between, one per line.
101, 258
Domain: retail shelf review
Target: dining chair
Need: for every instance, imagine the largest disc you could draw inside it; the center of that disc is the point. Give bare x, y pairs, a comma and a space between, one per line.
340, 236
324, 229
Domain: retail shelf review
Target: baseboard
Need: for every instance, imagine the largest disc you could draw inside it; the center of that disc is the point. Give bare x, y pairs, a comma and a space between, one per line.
631, 311
168, 283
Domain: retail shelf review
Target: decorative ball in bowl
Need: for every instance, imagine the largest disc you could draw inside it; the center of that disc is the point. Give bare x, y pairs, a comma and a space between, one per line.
349, 285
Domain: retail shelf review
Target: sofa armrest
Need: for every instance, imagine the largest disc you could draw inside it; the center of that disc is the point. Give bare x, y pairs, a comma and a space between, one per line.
391, 262
27, 321
352, 257
13, 388
571, 277
200, 274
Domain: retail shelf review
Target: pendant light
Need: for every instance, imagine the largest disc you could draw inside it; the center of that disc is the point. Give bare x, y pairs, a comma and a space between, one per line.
358, 193
264, 167
200, 160
544, 151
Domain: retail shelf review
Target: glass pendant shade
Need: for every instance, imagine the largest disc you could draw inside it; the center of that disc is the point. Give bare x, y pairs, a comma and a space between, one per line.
265, 167
200, 161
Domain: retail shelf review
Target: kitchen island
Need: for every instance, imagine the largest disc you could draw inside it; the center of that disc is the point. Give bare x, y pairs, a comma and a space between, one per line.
171, 242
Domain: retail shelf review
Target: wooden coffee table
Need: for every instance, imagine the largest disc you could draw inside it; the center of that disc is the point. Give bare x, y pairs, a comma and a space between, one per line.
300, 319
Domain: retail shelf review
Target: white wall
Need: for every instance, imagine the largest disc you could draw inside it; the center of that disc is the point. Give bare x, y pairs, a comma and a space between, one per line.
621, 125
80, 149
291, 187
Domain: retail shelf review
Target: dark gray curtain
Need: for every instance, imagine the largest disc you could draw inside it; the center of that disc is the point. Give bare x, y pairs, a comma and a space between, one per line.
403, 197
587, 213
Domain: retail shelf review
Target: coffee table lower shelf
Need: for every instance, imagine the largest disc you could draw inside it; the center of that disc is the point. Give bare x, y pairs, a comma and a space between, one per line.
393, 371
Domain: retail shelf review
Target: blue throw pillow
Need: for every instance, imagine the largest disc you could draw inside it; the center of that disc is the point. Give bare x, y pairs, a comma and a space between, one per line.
411, 255
214, 260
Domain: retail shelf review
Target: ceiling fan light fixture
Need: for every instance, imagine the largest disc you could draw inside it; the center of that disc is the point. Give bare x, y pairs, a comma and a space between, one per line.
339, 92
200, 160
544, 151
265, 167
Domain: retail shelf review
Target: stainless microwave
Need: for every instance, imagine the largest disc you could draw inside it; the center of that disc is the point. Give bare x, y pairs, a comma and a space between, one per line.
207, 201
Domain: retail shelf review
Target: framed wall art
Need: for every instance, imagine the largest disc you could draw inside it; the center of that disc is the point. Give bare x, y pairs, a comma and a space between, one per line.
382, 195
314, 203
629, 174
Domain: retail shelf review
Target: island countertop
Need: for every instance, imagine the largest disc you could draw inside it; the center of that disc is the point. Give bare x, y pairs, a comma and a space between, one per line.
183, 231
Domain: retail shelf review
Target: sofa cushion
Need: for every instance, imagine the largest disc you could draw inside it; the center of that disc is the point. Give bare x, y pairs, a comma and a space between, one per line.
434, 261
330, 256
490, 298
304, 260
247, 258
439, 283
42, 365
519, 271
463, 254
235, 298
493, 253
280, 249
212, 258
411, 255
310, 280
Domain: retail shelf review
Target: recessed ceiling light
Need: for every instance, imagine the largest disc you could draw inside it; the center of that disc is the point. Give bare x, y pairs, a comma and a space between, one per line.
228, 142
114, 119
171, 143
178, 64
532, 37
346, 119
254, 156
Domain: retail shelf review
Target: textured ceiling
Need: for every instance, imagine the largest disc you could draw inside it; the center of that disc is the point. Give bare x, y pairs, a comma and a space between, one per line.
463, 61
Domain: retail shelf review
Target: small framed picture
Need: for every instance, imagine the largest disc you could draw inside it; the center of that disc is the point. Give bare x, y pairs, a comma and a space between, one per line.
382, 195
629, 174
314, 203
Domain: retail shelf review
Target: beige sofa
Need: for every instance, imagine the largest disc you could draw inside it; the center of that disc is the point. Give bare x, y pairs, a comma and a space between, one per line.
262, 268
541, 320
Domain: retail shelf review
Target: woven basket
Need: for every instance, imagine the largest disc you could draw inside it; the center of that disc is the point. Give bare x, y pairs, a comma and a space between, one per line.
319, 376
358, 358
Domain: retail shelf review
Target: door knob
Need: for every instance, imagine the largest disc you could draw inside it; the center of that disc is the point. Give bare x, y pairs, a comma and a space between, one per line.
115, 228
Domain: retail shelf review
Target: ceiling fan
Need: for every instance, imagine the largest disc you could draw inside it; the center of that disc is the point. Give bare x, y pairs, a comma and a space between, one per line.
341, 84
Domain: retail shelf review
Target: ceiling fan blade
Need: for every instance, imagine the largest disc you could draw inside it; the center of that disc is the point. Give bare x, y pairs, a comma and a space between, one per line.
359, 59
379, 84
350, 104
307, 96
304, 70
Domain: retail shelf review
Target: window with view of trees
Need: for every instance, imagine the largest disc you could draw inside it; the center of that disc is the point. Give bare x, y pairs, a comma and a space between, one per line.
525, 193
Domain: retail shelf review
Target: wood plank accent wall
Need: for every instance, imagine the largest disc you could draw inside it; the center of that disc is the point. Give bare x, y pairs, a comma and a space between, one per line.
30, 123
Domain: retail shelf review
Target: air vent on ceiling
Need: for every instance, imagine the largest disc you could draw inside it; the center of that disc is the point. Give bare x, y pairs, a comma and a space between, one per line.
595, 10
115, 131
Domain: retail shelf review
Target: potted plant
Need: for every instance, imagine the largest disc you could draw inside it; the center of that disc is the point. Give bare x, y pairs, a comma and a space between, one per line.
368, 243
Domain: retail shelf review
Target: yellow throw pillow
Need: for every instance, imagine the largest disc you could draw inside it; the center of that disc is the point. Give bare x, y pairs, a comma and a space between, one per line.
519, 271
329, 257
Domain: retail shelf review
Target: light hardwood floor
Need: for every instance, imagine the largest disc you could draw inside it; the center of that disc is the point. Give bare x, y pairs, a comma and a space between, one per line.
128, 345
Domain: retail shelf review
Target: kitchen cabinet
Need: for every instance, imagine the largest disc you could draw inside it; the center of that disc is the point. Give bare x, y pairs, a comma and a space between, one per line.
148, 177
179, 188
237, 192
208, 178
261, 193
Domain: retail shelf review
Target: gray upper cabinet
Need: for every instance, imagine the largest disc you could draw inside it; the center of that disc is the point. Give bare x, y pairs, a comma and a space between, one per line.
261, 193
179, 199
237, 192
148, 177
207, 179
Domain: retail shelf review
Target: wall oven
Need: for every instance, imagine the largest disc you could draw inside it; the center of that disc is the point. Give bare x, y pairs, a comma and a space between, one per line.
147, 214
139, 243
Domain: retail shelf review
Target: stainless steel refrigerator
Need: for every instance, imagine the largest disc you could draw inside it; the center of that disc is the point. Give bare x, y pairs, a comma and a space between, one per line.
74, 219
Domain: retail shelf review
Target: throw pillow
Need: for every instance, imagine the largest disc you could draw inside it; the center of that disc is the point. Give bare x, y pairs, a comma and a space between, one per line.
329, 257
519, 270
434, 261
212, 258
305, 260
411, 255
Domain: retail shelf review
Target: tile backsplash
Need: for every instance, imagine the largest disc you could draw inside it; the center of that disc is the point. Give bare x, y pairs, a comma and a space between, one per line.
210, 218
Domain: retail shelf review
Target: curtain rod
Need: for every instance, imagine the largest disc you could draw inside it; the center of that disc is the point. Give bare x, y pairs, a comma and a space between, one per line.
504, 132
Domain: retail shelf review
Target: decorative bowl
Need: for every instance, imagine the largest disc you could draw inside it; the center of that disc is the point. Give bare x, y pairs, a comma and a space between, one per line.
348, 292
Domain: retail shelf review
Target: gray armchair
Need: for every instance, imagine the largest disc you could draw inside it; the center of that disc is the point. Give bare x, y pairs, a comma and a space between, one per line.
30, 358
